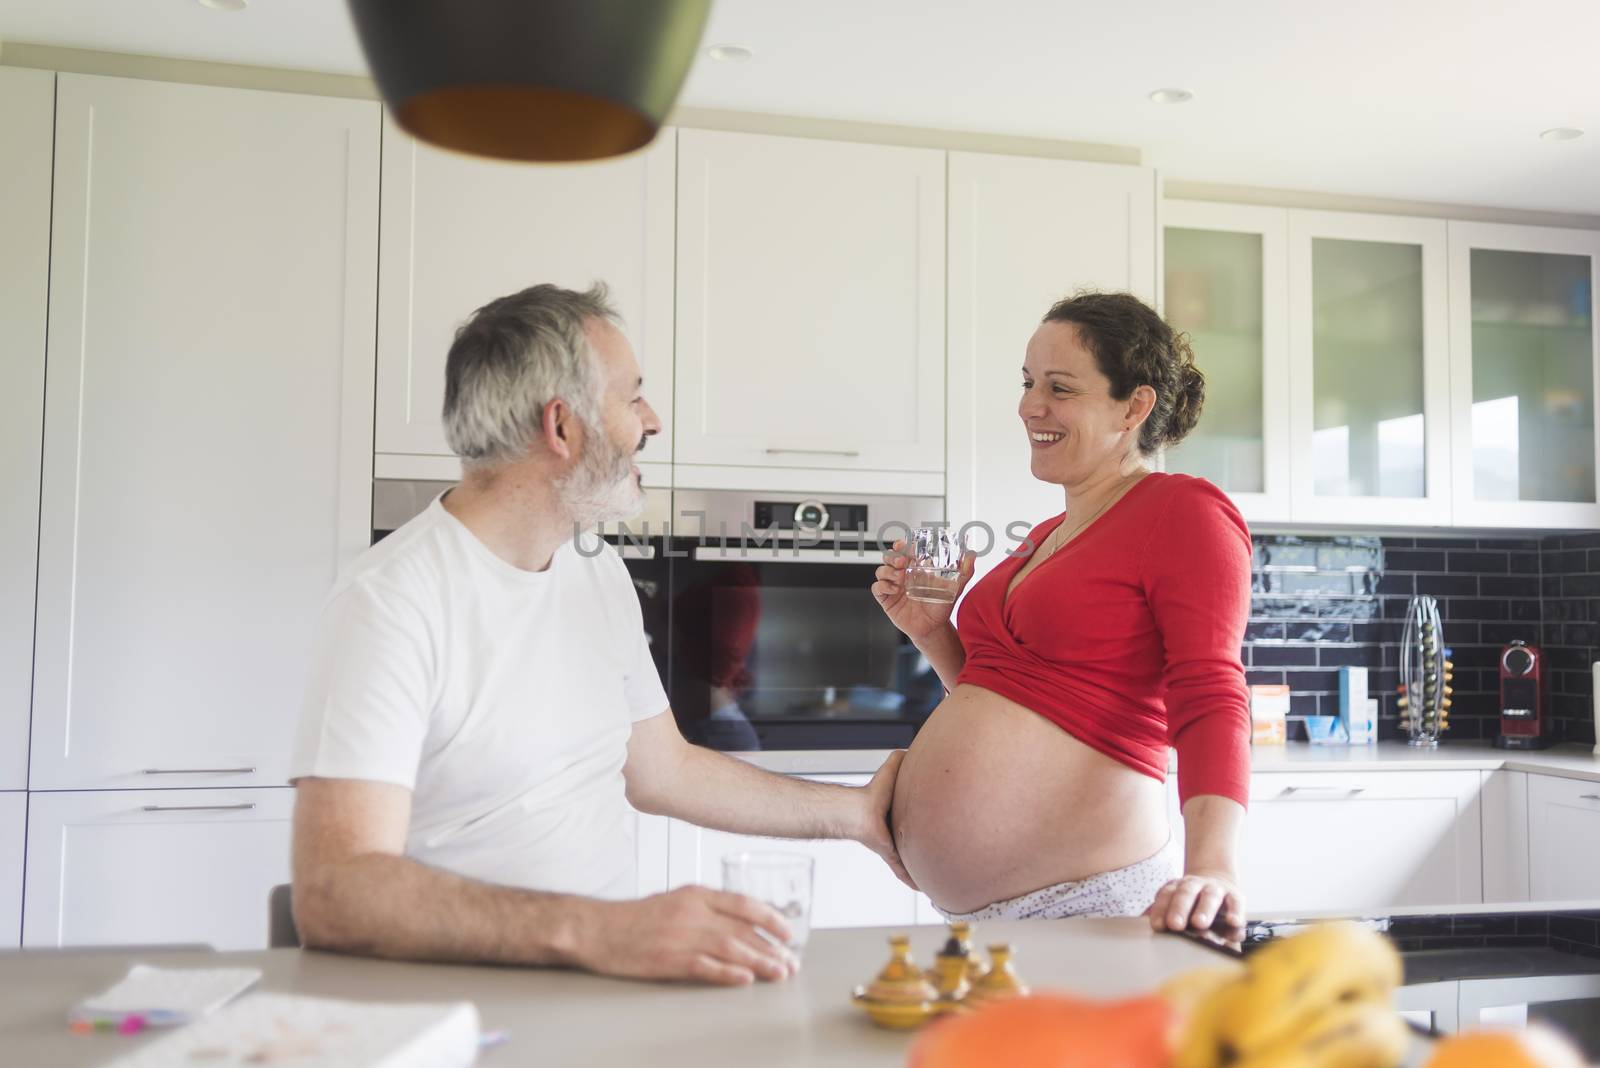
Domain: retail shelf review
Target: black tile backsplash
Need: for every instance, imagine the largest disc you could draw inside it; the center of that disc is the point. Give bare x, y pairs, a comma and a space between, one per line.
1570, 627
1322, 602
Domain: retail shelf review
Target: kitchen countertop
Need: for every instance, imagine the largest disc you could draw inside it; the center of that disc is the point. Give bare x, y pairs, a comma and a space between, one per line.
1566, 761
567, 1018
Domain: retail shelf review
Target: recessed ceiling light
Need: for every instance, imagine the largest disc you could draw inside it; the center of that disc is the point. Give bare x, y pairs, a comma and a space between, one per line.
1172, 96
225, 5
1561, 133
730, 53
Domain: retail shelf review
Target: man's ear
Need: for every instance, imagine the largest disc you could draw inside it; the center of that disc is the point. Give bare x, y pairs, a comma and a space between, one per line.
558, 429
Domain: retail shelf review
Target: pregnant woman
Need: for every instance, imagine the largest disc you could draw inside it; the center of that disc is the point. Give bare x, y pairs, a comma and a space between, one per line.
1110, 634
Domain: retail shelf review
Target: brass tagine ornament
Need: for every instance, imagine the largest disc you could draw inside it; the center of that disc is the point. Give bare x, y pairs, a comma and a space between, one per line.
1000, 980
901, 996
952, 973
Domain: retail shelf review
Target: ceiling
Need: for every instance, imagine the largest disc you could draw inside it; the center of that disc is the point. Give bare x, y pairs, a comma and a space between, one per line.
1436, 100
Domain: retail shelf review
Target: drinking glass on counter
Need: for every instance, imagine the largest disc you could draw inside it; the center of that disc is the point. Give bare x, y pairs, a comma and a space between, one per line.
934, 571
782, 880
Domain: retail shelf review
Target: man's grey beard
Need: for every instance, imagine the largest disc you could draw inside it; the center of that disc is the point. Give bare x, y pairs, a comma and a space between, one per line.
602, 487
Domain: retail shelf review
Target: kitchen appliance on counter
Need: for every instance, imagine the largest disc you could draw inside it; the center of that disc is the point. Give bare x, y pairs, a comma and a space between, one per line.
1524, 689
777, 642
1507, 966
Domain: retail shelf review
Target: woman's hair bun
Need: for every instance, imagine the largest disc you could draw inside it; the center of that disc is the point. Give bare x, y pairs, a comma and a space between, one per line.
1189, 396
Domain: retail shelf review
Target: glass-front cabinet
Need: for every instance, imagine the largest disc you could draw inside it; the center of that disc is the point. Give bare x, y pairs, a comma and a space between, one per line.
1524, 357
1369, 410
1225, 284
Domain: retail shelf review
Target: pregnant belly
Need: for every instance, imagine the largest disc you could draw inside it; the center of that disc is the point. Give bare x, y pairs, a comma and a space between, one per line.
994, 800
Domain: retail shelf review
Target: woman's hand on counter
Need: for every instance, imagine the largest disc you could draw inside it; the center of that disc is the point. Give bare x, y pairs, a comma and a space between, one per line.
693, 933
875, 832
1200, 901
917, 620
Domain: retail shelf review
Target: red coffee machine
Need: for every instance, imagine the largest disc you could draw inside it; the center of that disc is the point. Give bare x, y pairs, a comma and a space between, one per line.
1523, 687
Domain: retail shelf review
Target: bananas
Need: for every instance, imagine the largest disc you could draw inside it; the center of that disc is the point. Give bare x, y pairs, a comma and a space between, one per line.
1319, 999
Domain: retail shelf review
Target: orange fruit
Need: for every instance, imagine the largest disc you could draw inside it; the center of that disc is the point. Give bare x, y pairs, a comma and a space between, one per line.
1050, 1031
1537, 1047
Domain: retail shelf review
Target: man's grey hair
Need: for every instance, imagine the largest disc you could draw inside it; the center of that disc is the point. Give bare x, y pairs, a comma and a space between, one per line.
512, 358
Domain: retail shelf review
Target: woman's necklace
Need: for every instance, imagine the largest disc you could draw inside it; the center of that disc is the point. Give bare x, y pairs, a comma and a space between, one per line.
1053, 542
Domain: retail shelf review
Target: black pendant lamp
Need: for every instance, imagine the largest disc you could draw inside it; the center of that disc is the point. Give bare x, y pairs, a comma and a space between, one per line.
531, 79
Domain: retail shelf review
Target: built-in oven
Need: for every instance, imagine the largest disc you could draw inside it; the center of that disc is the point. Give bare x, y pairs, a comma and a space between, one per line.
776, 639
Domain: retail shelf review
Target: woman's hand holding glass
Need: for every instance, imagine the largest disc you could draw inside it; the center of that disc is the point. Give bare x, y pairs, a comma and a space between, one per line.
917, 619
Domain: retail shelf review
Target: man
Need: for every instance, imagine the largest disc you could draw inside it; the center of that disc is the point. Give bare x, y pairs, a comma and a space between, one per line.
483, 705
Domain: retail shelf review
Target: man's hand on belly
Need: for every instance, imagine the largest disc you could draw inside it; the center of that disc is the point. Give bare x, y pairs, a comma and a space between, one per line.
875, 832
690, 933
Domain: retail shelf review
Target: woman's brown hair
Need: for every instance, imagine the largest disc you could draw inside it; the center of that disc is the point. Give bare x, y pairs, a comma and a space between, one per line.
1133, 347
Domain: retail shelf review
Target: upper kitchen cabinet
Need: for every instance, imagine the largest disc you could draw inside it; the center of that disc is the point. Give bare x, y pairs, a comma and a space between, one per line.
459, 231
208, 423
1369, 370
1226, 284
810, 315
1024, 233
1523, 359
25, 142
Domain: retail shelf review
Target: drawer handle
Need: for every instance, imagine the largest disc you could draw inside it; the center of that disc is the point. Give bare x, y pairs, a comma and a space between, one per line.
199, 771
240, 807
1589, 797
816, 452
1347, 790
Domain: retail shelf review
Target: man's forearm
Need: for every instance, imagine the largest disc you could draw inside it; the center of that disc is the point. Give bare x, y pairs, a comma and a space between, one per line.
945, 652
1212, 826
382, 905
727, 794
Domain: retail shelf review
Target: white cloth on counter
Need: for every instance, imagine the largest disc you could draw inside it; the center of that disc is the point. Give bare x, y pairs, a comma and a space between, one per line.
502, 698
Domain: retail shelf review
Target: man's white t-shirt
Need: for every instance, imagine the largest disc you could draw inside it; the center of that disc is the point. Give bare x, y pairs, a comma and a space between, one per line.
502, 698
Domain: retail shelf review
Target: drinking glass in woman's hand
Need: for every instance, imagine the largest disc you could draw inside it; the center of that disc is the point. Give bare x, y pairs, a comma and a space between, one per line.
915, 618
934, 572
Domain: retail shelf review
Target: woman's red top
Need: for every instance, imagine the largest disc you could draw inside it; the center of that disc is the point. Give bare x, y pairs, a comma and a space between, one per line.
1128, 637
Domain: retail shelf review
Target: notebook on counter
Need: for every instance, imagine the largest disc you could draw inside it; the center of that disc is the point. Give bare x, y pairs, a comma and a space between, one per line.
305, 1032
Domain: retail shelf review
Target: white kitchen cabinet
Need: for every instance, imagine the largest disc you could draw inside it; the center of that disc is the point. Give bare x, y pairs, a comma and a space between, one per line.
1524, 352
1505, 836
13, 841
208, 423
26, 135
1369, 369
810, 313
459, 231
1362, 841
1225, 275
115, 867
1023, 234
852, 886
1563, 838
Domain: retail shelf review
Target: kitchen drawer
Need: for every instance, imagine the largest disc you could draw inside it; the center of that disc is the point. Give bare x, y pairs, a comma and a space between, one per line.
1563, 838
155, 866
1360, 841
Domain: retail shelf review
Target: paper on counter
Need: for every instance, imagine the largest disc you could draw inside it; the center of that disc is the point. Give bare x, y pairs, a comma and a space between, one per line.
310, 1032
166, 995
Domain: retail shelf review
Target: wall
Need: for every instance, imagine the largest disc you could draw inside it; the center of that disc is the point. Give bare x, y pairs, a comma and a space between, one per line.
1321, 602
1570, 587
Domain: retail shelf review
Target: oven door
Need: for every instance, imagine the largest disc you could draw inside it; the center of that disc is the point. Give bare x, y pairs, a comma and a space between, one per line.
783, 647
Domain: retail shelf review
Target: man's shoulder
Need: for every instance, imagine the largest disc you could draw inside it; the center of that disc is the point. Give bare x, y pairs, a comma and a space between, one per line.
410, 563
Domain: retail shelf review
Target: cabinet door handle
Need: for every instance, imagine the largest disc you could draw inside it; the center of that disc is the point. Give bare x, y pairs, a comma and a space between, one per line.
240, 807
199, 771
816, 452
1346, 790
